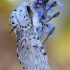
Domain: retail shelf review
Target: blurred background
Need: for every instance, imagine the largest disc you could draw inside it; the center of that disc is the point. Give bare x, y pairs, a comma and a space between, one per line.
57, 46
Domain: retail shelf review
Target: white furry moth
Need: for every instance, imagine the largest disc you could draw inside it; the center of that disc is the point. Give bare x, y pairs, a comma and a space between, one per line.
27, 23
30, 51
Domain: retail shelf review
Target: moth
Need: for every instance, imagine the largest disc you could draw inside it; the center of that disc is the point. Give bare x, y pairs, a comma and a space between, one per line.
30, 51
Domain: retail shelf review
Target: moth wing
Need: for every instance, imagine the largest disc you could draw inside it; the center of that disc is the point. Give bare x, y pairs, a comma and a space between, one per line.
30, 52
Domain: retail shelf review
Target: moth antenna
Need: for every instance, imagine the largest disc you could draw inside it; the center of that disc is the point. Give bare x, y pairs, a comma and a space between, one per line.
54, 16
52, 5
51, 32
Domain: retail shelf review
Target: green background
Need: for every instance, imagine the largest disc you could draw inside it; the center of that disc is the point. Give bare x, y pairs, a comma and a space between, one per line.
57, 46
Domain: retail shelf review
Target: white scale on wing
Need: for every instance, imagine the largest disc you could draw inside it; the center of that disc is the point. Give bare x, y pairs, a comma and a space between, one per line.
30, 51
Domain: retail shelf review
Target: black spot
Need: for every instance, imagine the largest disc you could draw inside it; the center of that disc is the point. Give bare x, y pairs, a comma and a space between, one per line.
17, 55
37, 38
26, 19
20, 10
25, 27
13, 23
44, 53
20, 26
15, 10
12, 16
20, 62
47, 25
42, 24
24, 16
17, 42
42, 47
27, 48
34, 37
22, 46
35, 46
43, 17
23, 67
28, 24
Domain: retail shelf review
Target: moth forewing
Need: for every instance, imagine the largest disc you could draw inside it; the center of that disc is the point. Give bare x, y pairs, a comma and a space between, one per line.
30, 51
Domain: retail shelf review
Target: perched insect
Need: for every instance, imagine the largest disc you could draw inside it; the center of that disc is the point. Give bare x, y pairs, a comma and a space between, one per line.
30, 51
30, 26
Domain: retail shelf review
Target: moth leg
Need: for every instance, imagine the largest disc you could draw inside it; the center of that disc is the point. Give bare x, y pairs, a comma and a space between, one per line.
13, 29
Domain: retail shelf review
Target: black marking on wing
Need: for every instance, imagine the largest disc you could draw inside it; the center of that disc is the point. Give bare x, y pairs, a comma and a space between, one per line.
20, 62
22, 46
23, 67
44, 53
15, 10
18, 35
20, 10
12, 16
42, 47
37, 38
17, 55
13, 23
35, 46
25, 26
